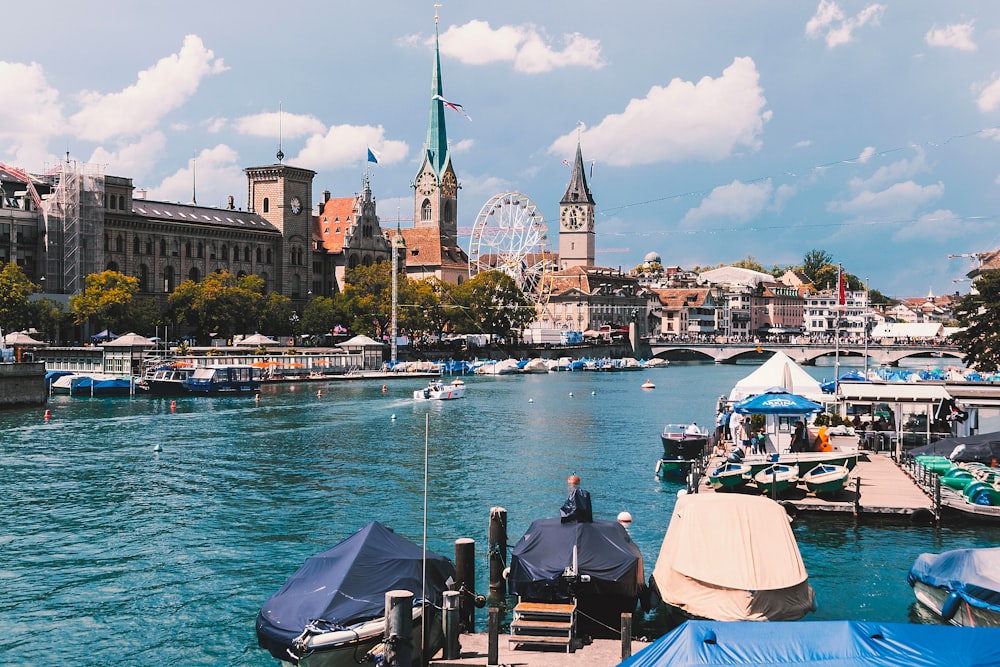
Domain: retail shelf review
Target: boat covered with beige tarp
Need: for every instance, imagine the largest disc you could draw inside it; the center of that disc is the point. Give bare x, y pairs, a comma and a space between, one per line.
732, 557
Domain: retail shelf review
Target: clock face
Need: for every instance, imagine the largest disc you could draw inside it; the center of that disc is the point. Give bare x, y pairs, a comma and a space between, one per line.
448, 185
425, 185
573, 218
296, 205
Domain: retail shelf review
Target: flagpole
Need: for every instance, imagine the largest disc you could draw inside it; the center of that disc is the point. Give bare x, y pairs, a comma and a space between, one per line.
839, 311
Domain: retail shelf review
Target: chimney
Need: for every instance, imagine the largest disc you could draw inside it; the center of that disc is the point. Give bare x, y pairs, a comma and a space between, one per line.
230, 205
326, 196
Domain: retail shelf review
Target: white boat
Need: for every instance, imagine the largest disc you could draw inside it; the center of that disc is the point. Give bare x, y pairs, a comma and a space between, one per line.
535, 366
437, 391
504, 367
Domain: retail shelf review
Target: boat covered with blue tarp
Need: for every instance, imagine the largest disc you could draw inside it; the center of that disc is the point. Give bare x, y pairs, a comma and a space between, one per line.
829, 643
961, 586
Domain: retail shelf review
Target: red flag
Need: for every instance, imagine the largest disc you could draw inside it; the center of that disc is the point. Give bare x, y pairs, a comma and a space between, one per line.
840, 287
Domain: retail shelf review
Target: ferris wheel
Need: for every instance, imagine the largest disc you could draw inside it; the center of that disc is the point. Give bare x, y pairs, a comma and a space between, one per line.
510, 236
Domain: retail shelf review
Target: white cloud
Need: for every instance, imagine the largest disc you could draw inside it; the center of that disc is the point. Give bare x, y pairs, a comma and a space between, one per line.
165, 86
708, 120
527, 47
892, 173
133, 159
805, 143
218, 174
866, 154
267, 124
463, 146
737, 202
782, 195
992, 133
345, 145
989, 94
944, 224
897, 202
30, 114
830, 22
954, 36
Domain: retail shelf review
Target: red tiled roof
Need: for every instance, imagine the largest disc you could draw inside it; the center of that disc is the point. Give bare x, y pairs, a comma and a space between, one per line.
330, 226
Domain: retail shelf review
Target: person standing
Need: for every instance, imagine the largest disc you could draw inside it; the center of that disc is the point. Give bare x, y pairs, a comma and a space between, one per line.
577, 506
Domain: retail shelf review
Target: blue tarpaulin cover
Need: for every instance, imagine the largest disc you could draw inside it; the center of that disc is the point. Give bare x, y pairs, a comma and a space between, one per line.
347, 584
972, 573
826, 643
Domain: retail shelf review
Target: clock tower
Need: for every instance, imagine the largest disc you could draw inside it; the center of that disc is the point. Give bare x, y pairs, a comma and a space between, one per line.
576, 219
281, 194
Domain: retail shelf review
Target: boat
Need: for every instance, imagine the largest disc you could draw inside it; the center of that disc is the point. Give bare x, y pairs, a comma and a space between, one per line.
826, 478
235, 379
803, 461
732, 557
648, 384
961, 587
729, 475
64, 383
438, 391
166, 380
101, 385
330, 612
840, 643
776, 479
685, 441
595, 563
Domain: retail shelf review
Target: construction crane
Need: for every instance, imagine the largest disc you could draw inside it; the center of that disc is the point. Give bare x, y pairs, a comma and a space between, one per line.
976, 257
23, 176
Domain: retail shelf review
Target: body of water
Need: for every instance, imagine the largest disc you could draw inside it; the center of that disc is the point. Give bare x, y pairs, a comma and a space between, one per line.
114, 553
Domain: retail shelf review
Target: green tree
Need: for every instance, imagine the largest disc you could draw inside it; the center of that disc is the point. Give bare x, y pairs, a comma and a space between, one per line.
816, 265
750, 263
219, 304
49, 317
108, 298
979, 314
367, 299
494, 304
277, 316
320, 316
15, 288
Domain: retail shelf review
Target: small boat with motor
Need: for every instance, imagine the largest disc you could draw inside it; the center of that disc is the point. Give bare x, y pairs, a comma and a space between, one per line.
682, 445
331, 611
167, 380
826, 478
438, 391
235, 379
730, 475
962, 586
775, 479
648, 384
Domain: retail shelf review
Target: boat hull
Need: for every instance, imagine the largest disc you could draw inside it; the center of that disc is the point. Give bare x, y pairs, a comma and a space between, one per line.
682, 445
729, 476
775, 480
826, 479
965, 614
447, 392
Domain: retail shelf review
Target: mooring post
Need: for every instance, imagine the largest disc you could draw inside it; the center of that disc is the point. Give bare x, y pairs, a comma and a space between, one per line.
857, 495
465, 573
626, 635
398, 628
493, 642
452, 625
497, 538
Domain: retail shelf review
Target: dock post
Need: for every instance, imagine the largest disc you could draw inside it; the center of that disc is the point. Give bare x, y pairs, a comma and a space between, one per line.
398, 628
465, 574
493, 641
497, 538
937, 498
452, 625
626, 635
857, 496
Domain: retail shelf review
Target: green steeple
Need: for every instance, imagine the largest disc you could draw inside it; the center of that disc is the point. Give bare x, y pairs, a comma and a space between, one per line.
437, 136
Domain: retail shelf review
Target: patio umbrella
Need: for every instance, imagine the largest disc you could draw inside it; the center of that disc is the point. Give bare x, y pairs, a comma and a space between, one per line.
777, 401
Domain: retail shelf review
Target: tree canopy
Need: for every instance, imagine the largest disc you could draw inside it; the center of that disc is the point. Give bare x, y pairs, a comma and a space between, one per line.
979, 314
110, 298
15, 288
220, 304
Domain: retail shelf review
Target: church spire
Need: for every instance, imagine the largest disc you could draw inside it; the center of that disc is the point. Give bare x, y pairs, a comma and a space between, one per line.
578, 191
437, 137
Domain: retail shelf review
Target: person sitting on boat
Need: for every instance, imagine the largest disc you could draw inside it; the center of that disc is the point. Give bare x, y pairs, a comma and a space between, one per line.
693, 429
577, 506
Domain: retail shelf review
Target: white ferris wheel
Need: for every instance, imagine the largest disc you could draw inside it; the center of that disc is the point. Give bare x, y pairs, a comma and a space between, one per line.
510, 236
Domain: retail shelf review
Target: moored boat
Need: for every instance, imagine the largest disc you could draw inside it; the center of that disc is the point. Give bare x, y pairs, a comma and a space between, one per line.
438, 391
729, 475
776, 479
330, 612
686, 441
961, 586
826, 478
236, 379
167, 380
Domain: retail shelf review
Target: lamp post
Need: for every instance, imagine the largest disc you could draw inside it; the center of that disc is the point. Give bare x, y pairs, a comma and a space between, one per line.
398, 245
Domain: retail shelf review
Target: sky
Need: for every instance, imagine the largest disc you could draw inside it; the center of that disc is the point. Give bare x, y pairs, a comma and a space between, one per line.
712, 130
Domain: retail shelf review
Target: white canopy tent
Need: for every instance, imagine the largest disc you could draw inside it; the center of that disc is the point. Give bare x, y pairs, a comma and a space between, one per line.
778, 371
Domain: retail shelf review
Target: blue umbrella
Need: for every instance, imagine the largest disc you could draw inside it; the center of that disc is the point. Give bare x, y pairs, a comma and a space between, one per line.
777, 401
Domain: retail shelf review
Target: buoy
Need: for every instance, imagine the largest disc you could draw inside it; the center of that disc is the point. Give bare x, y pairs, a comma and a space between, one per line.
173, 405
48, 415
256, 398
570, 393
648, 384
530, 400
394, 417
384, 389
319, 394
593, 393
157, 448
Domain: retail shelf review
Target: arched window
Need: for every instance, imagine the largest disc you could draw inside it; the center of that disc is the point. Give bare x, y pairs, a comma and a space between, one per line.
175, 248
149, 246
258, 255
211, 251
296, 286
425, 210
187, 249
119, 243
112, 266
352, 262
270, 257
143, 278
236, 253
246, 254
163, 247
224, 252
136, 245
168, 279
107, 242
194, 274
267, 205
121, 202
201, 250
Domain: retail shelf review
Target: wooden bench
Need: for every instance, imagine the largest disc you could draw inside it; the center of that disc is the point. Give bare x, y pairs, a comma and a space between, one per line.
542, 623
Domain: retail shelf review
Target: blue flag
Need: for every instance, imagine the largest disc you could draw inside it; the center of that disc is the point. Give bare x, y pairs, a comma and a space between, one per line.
372, 156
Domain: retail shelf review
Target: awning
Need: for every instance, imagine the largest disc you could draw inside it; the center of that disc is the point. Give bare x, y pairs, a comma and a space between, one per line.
891, 392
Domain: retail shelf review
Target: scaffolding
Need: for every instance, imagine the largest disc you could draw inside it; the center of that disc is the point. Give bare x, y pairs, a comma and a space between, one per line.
74, 225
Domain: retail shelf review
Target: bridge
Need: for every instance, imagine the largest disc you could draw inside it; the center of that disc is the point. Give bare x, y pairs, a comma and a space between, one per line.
804, 354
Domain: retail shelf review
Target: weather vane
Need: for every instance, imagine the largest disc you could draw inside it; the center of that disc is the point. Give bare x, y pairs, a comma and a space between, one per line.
436, 7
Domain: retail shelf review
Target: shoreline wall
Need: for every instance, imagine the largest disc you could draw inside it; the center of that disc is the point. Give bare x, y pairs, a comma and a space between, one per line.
22, 384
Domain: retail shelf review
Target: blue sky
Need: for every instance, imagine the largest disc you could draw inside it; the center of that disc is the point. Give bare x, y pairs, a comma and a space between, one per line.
716, 130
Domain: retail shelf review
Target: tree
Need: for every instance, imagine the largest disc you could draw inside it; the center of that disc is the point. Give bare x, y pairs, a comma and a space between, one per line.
49, 316
494, 304
367, 299
814, 263
108, 298
219, 304
979, 314
15, 288
277, 317
320, 316
750, 263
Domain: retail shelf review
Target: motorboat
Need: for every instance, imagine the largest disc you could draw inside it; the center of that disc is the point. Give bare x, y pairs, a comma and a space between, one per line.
729, 475
802, 643
648, 384
961, 586
595, 563
102, 385
234, 379
685, 441
438, 391
775, 479
331, 611
167, 380
732, 557
826, 478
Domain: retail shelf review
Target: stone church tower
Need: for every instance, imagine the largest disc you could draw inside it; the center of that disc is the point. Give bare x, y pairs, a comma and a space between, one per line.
576, 219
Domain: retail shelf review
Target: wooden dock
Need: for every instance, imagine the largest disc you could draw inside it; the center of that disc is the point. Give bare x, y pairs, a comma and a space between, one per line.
876, 488
598, 653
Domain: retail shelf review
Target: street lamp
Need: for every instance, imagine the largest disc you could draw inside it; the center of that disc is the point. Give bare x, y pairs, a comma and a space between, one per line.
398, 249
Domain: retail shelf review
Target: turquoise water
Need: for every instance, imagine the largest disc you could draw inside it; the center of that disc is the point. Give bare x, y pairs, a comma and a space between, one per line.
113, 553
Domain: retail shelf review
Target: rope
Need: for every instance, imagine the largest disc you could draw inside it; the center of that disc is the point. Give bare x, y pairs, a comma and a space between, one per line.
618, 631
